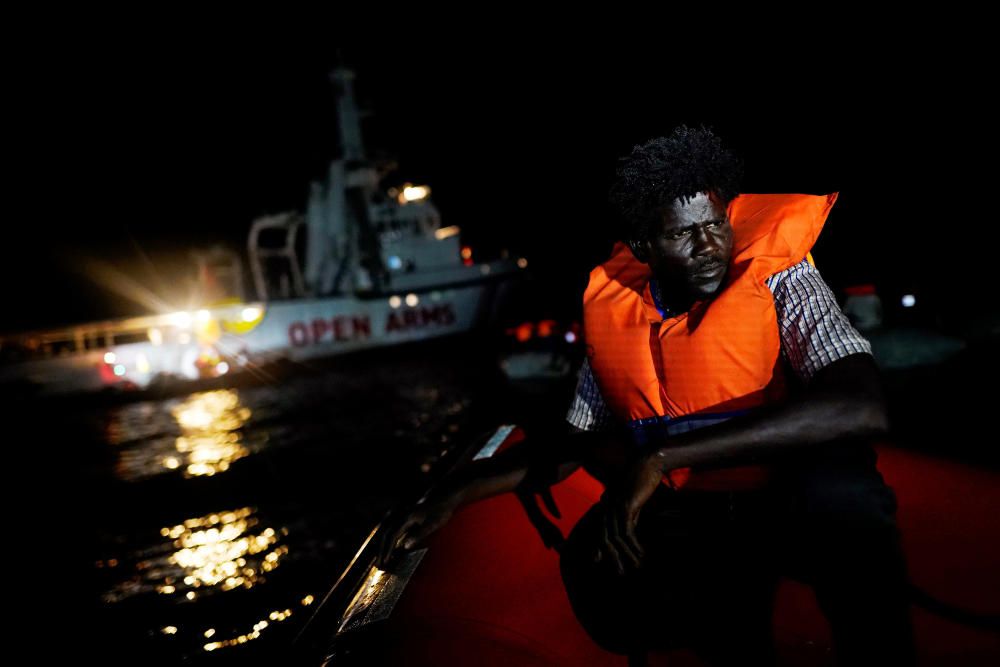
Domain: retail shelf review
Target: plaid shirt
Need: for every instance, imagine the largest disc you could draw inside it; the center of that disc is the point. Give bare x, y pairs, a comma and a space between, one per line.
814, 332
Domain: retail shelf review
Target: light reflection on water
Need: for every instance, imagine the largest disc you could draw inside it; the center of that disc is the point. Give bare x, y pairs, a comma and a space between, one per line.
210, 440
240, 551
205, 555
276, 616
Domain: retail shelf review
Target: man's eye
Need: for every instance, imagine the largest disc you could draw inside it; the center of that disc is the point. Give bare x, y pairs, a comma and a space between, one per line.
676, 235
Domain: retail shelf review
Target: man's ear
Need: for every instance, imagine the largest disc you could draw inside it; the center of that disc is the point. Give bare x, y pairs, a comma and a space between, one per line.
640, 249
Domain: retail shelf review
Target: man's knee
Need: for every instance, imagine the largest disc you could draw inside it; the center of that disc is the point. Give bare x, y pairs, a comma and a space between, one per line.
844, 486
604, 610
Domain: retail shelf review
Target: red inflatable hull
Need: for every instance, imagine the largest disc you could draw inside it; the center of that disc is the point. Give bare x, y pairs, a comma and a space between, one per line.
489, 593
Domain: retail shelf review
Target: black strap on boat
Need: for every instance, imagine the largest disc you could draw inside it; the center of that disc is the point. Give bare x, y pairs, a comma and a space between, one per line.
938, 607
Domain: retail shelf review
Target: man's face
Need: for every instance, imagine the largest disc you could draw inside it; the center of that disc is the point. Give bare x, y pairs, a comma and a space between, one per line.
689, 247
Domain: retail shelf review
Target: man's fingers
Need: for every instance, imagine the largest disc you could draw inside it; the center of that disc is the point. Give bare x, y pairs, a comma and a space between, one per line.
387, 542
635, 547
632, 538
417, 534
607, 532
413, 526
393, 537
622, 542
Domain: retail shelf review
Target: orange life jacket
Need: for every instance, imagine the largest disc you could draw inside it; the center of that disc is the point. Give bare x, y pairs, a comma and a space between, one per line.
718, 360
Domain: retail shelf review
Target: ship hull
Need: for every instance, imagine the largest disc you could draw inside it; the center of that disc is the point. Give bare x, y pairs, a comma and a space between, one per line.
240, 338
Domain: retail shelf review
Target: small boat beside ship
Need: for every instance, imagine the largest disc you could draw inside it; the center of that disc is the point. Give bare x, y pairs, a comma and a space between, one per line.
365, 266
486, 588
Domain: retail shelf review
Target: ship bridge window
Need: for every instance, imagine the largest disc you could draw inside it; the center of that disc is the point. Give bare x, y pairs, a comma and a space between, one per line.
93, 341
130, 337
61, 348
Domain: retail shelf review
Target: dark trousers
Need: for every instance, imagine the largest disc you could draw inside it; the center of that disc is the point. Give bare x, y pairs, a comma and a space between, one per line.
713, 560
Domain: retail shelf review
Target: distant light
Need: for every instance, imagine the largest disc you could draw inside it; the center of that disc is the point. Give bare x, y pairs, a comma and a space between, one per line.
203, 315
909, 301
395, 301
190, 595
446, 232
308, 600
860, 290
209, 632
484, 269
141, 363
414, 193
251, 313
222, 368
412, 300
109, 357
522, 262
155, 336
119, 370
169, 630
570, 337
172, 463
466, 252
180, 319
395, 262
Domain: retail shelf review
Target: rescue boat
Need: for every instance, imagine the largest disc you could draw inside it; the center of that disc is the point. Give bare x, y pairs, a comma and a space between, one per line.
487, 590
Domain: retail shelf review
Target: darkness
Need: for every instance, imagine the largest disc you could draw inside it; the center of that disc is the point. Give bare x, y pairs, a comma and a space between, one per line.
131, 149
134, 151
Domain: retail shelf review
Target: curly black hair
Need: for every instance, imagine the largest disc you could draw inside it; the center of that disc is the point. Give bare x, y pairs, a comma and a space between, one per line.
663, 169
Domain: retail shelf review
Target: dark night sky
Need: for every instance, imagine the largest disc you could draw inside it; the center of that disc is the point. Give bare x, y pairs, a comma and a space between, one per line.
133, 153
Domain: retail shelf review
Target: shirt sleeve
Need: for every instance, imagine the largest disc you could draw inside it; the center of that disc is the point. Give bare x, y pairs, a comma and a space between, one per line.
814, 330
588, 411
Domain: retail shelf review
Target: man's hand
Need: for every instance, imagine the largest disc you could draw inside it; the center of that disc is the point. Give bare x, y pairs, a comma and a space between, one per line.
621, 503
413, 528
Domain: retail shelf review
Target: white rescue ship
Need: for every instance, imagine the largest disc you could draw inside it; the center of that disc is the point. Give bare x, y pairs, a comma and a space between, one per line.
363, 267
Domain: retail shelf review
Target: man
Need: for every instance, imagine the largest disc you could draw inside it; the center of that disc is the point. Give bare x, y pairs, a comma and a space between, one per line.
728, 406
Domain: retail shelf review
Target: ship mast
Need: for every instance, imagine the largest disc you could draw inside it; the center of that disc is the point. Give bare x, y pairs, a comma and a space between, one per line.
342, 250
348, 116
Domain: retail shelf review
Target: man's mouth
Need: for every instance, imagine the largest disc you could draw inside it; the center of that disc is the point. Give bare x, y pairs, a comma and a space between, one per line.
710, 269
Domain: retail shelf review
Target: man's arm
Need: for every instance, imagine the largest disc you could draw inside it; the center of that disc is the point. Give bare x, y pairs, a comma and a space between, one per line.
844, 399
518, 466
526, 466
843, 396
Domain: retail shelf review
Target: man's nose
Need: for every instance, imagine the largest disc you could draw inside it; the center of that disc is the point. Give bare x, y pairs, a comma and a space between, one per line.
703, 243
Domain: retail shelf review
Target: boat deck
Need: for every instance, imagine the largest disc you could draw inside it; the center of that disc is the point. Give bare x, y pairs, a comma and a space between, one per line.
489, 588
